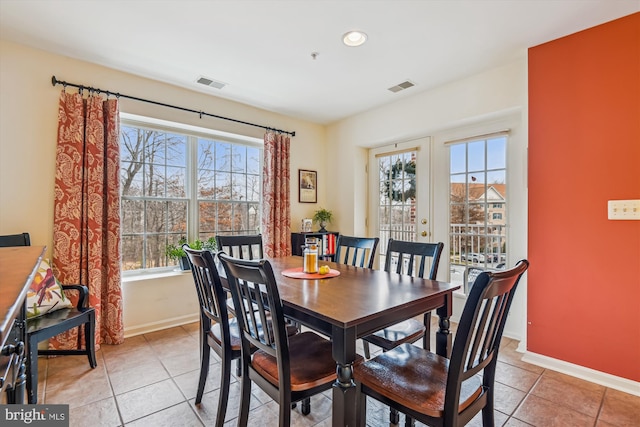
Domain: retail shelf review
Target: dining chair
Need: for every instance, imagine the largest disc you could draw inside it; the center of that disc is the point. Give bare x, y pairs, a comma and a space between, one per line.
447, 392
217, 330
56, 322
356, 251
288, 368
248, 246
414, 259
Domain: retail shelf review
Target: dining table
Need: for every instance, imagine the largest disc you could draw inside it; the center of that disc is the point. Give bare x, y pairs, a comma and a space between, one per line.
353, 303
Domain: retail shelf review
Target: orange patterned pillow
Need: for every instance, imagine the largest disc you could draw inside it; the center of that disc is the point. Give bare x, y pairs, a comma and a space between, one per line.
45, 294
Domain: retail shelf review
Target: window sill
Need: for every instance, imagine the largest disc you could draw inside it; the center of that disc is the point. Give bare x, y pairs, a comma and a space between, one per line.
138, 277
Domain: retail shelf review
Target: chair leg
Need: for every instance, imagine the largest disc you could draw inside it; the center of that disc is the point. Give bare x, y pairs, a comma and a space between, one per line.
32, 371
409, 422
90, 339
223, 399
306, 406
285, 413
426, 339
245, 399
367, 353
205, 352
488, 412
394, 416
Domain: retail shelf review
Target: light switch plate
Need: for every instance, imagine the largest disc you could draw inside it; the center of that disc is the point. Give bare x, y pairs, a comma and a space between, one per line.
624, 209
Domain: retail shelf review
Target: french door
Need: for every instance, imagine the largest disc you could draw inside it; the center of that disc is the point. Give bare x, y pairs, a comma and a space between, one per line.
399, 193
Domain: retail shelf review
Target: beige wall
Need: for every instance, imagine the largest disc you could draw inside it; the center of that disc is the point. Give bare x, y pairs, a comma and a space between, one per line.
486, 102
28, 126
28, 121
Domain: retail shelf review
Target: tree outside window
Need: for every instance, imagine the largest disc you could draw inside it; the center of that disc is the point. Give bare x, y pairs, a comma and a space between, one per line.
175, 184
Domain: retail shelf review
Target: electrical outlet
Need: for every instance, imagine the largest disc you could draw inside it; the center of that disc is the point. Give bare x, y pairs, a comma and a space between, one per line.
624, 209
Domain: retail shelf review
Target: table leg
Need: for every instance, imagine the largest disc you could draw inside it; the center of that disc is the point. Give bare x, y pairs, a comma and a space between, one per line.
443, 336
344, 390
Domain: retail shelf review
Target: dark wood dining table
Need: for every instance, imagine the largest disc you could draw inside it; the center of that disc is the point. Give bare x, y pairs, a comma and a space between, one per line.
356, 303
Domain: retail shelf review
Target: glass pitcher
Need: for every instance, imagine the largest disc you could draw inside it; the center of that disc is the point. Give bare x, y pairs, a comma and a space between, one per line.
310, 256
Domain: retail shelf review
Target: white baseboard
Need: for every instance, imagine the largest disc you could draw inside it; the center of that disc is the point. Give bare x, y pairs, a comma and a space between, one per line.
602, 378
132, 331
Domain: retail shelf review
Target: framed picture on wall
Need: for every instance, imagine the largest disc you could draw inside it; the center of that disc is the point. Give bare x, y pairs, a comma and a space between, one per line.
307, 186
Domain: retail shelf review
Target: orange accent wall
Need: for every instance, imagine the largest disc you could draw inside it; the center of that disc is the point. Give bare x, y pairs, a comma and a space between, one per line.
584, 149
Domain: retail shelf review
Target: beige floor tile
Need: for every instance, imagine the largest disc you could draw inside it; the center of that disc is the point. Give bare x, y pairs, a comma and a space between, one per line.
129, 344
166, 336
115, 362
513, 422
179, 415
507, 399
181, 345
499, 418
544, 413
103, 413
583, 399
148, 400
207, 410
620, 409
78, 390
142, 375
508, 354
188, 382
181, 363
155, 377
192, 329
576, 382
513, 376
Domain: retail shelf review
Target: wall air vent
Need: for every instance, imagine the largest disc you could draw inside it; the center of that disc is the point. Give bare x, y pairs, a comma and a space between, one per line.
210, 82
402, 86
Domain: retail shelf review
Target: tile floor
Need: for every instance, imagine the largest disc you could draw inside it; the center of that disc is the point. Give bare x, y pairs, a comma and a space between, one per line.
151, 380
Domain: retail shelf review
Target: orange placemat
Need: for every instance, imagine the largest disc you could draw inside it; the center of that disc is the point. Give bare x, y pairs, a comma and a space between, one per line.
297, 273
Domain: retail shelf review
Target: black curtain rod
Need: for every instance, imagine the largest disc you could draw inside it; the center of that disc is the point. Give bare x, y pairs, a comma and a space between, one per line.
55, 81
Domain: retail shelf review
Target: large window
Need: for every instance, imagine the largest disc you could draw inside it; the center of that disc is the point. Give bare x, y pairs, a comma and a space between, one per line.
478, 203
184, 182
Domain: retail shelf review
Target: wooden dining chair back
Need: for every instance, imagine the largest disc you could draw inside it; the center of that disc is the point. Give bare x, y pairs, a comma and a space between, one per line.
241, 246
288, 368
413, 258
217, 330
356, 251
417, 259
56, 322
447, 392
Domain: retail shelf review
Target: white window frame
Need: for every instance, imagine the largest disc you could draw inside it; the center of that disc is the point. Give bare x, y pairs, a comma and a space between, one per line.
192, 133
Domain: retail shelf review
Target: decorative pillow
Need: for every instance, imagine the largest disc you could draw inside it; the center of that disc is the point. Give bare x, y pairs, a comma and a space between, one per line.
45, 294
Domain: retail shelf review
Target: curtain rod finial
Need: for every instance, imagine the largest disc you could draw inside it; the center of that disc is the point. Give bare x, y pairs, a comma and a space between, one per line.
54, 81
293, 133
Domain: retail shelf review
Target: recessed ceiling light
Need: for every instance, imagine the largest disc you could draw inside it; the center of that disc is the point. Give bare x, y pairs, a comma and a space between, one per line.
354, 38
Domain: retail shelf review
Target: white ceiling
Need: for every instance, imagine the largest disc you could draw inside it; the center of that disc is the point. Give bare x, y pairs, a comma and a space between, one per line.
262, 49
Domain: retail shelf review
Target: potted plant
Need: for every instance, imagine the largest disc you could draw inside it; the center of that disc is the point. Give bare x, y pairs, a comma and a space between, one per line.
322, 217
175, 251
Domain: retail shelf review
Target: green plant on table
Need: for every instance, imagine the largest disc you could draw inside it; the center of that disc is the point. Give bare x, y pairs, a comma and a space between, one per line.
322, 216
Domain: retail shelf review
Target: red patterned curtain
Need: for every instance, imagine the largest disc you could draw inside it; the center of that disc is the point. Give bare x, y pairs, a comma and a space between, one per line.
86, 240
276, 204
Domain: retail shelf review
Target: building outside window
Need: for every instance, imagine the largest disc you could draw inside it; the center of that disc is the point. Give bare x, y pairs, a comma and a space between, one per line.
478, 204
180, 181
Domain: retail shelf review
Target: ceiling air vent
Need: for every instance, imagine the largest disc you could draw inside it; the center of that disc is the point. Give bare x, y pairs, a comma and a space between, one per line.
209, 82
402, 86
